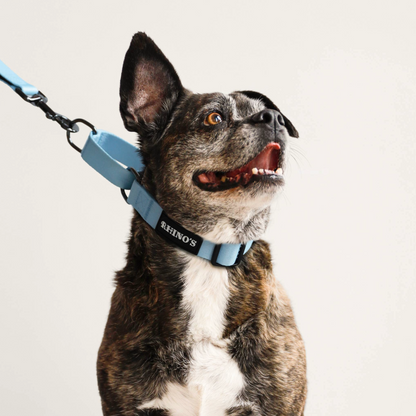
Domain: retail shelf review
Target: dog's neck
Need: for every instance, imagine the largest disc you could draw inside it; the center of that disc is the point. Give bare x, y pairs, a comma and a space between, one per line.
219, 223
230, 227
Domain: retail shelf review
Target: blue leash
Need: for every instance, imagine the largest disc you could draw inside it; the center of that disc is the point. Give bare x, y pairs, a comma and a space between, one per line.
107, 153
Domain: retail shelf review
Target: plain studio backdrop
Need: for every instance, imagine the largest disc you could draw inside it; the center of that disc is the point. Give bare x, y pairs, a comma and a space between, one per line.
343, 234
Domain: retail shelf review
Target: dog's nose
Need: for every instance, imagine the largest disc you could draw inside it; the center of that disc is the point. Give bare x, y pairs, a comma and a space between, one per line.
268, 116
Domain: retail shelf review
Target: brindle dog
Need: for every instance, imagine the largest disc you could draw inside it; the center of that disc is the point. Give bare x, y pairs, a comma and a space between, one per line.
184, 337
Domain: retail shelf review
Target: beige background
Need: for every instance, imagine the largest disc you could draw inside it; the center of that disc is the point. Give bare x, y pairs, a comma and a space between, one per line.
343, 235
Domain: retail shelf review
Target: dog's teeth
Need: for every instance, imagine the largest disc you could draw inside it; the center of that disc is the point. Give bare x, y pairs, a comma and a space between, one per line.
255, 171
223, 179
279, 171
261, 171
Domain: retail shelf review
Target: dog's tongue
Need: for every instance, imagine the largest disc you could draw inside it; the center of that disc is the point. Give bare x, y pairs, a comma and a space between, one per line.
267, 159
208, 177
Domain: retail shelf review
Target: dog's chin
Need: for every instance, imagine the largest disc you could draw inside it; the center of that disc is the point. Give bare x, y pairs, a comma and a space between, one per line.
263, 173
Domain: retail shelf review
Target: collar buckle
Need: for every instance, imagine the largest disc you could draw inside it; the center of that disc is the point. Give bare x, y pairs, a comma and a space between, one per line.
217, 250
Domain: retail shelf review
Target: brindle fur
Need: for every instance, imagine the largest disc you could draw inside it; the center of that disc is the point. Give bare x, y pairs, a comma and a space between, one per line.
145, 343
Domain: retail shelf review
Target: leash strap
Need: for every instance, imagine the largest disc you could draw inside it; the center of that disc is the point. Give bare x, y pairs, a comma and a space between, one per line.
119, 161
15, 82
33, 96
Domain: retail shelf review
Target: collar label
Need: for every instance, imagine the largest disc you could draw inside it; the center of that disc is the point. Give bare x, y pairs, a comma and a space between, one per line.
172, 231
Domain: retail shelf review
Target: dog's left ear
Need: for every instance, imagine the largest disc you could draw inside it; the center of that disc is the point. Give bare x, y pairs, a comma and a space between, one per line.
149, 87
270, 104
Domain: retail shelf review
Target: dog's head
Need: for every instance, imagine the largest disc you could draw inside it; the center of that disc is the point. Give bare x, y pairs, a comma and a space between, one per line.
213, 161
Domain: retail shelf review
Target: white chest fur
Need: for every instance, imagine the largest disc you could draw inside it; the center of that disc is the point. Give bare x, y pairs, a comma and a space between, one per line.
214, 380
205, 298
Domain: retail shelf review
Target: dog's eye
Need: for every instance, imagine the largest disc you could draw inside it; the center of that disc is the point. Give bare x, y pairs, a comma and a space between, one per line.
212, 119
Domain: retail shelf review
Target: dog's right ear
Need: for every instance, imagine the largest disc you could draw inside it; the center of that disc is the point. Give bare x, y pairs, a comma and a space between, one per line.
149, 88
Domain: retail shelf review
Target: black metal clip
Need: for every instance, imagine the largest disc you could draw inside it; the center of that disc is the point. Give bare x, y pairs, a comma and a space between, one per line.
40, 100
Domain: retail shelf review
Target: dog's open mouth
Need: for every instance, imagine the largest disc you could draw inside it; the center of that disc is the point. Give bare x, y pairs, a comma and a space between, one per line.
266, 166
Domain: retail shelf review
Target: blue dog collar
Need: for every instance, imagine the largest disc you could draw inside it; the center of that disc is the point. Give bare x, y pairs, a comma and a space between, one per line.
103, 151
107, 154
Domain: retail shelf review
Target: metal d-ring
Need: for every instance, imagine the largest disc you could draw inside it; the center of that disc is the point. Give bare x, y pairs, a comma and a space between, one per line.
74, 124
138, 179
123, 192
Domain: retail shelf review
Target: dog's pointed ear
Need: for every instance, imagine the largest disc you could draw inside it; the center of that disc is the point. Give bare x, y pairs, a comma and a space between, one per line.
149, 87
270, 104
